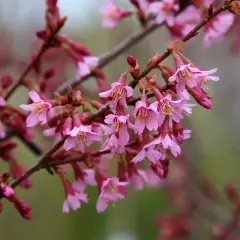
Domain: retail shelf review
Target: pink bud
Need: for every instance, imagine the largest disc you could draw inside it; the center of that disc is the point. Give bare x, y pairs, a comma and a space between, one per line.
201, 97
6, 81
49, 73
52, 4
79, 48
42, 34
131, 61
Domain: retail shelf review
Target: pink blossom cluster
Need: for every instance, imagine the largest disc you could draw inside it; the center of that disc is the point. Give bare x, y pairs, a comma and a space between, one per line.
164, 12
152, 132
129, 133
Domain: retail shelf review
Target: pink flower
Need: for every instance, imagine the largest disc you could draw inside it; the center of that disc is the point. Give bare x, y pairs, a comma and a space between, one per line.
149, 152
73, 197
112, 14
179, 133
185, 22
136, 176
145, 116
110, 192
164, 11
6, 190
185, 75
82, 177
39, 109
52, 132
80, 137
216, 28
118, 135
167, 141
118, 93
86, 66
170, 108
154, 180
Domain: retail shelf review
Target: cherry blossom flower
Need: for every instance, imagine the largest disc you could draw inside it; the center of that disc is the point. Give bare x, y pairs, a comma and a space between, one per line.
216, 28
39, 109
179, 133
172, 109
82, 177
137, 177
6, 190
185, 22
164, 11
167, 141
149, 152
110, 192
80, 137
118, 93
112, 14
86, 66
146, 116
189, 75
73, 197
118, 135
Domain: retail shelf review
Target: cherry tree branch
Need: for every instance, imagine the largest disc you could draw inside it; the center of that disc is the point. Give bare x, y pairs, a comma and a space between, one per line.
45, 46
190, 35
116, 51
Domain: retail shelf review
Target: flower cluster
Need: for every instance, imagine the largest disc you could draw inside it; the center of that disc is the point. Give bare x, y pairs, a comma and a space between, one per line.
134, 127
164, 12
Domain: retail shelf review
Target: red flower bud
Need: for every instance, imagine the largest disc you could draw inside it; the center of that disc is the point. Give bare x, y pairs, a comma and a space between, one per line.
131, 61
6, 81
49, 73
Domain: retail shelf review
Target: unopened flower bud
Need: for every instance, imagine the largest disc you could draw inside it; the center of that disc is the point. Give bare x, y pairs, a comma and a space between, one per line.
49, 73
79, 48
42, 34
231, 192
131, 61
6, 81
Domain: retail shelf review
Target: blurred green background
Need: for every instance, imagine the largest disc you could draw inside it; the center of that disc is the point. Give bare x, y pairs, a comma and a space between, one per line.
213, 149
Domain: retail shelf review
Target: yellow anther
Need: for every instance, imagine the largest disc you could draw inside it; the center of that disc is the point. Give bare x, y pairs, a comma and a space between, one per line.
167, 109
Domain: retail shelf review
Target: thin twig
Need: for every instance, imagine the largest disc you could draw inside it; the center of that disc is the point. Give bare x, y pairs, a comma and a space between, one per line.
45, 46
116, 51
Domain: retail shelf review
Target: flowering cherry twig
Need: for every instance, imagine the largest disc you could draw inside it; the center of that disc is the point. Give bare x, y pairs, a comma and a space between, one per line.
102, 110
157, 132
45, 46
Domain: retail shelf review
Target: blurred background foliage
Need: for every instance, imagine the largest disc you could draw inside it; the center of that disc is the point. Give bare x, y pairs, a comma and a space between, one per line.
214, 147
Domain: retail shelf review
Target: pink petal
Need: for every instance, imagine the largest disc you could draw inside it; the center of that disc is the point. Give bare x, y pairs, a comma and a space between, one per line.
101, 205
69, 143
34, 96
140, 156
32, 120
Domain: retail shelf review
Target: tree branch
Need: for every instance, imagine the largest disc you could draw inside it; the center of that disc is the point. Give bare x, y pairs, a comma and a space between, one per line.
45, 46
116, 51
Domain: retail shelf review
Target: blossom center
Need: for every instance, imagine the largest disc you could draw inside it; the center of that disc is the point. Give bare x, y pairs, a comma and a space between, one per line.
118, 124
38, 108
185, 75
81, 138
167, 109
118, 92
167, 8
203, 81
